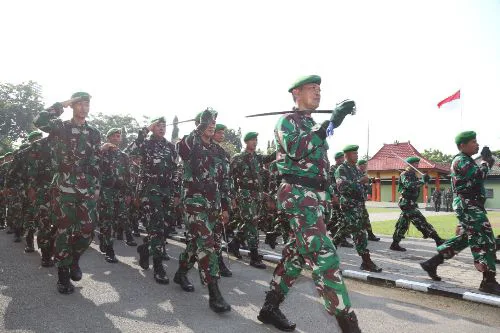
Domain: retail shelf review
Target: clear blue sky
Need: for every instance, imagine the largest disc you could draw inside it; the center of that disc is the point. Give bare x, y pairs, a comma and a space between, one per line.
397, 59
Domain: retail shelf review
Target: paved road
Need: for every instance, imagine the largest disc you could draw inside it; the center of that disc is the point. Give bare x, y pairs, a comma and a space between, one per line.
123, 298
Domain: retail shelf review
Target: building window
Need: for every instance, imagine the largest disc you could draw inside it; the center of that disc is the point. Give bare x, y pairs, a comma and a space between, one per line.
489, 193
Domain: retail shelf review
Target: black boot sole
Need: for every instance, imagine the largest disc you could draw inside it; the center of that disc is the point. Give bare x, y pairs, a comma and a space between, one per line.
432, 275
185, 288
265, 320
219, 309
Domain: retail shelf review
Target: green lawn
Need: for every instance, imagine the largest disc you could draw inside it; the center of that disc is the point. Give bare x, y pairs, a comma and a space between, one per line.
444, 225
382, 210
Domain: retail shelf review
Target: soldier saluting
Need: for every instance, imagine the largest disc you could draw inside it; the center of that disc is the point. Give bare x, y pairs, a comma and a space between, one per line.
76, 184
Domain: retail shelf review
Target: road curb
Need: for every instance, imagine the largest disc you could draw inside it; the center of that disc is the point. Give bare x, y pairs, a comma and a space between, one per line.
385, 281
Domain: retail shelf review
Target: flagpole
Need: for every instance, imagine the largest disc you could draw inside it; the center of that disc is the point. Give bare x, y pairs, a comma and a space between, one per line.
461, 110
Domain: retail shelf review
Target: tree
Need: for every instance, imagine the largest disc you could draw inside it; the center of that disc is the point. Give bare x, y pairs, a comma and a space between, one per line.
129, 125
496, 153
175, 130
19, 104
435, 155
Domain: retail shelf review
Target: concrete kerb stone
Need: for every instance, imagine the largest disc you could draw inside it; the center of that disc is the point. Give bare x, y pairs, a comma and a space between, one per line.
385, 281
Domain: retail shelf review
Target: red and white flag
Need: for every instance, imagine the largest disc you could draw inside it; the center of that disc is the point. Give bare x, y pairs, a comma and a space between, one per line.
454, 97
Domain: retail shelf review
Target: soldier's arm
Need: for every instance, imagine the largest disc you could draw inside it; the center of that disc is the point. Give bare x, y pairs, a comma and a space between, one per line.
136, 146
297, 144
96, 159
48, 120
233, 170
176, 174
345, 185
410, 183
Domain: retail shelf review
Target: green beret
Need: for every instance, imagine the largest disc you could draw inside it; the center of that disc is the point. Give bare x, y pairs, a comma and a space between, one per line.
349, 148
82, 95
339, 154
220, 127
465, 137
33, 135
7, 154
250, 136
413, 159
113, 131
197, 119
361, 162
159, 120
305, 80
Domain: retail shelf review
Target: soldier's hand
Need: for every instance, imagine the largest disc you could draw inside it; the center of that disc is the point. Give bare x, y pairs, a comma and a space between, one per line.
341, 110
364, 179
128, 199
150, 127
108, 146
225, 217
177, 201
67, 103
233, 203
487, 156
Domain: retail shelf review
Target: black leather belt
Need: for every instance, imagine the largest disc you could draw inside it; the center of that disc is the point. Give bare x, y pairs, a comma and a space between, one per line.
317, 184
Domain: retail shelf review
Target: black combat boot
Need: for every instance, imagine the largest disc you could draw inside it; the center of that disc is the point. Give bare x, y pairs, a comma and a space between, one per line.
119, 233
431, 265
2, 225
396, 247
216, 302
344, 243
368, 264
489, 284
17, 235
271, 313
233, 247
256, 259
271, 237
143, 251
372, 237
110, 255
102, 246
130, 241
181, 279
437, 239
64, 285
47, 257
224, 271
348, 323
136, 232
30, 246
159, 272
76, 272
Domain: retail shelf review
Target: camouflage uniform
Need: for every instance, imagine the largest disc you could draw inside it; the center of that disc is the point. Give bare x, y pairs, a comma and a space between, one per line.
245, 170
116, 186
157, 185
17, 182
336, 218
468, 187
2, 196
7, 197
76, 161
205, 192
280, 222
133, 212
436, 198
409, 187
352, 204
303, 196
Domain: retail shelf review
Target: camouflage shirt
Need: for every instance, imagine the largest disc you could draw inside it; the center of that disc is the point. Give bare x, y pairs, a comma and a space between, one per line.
115, 169
246, 171
349, 188
468, 180
76, 153
205, 174
39, 164
158, 163
409, 185
17, 175
306, 152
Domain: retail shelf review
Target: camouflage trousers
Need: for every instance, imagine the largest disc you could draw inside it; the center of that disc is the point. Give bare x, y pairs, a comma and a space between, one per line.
310, 247
218, 234
354, 223
29, 208
477, 234
154, 211
414, 216
113, 214
75, 216
250, 209
366, 220
200, 224
44, 237
3, 211
15, 211
335, 220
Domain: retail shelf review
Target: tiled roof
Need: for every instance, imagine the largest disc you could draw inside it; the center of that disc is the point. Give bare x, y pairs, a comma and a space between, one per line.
389, 158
